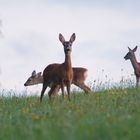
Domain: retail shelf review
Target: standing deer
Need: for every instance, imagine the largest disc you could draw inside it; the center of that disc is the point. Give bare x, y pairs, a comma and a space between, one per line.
61, 74
131, 55
79, 77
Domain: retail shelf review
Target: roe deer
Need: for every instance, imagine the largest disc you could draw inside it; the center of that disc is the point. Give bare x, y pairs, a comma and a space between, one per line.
136, 65
79, 77
61, 74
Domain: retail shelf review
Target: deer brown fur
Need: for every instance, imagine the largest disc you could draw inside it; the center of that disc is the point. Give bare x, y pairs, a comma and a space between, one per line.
136, 65
79, 77
62, 73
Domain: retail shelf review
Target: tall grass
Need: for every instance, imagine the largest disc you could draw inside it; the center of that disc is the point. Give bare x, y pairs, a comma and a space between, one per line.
108, 114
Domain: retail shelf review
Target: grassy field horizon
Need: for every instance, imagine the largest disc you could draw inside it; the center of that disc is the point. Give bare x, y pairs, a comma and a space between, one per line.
109, 114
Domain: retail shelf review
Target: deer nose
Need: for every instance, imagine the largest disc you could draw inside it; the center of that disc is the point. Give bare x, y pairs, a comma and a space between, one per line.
68, 49
25, 84
125, 58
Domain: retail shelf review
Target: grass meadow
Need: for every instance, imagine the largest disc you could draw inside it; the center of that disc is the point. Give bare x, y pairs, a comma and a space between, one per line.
112, 114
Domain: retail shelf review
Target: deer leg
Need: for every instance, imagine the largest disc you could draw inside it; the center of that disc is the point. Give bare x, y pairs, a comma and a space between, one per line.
84, 87
50, 92
43, 90
54, 89
137, 81
62, 90
68, 89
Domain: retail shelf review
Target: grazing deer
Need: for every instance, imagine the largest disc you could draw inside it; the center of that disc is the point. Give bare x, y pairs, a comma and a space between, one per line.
131, 55
79, 77
61, 74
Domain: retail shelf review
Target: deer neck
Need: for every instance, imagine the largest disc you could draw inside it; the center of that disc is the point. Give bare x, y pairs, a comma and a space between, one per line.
40, 80
68, 64
134, 63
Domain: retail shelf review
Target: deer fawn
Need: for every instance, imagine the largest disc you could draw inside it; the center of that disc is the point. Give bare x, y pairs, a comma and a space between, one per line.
136, 65
61, 74
79, 77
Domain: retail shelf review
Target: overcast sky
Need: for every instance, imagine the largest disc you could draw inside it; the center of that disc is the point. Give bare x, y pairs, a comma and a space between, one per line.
30, 28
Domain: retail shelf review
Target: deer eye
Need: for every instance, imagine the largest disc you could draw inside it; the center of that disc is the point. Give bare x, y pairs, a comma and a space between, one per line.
64, 43
70, 44
29, 80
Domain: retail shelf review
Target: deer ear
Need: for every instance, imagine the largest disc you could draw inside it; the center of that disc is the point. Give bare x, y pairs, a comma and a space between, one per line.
135, 49
129, 49
39, 74
34, 73
72, 38
61, 38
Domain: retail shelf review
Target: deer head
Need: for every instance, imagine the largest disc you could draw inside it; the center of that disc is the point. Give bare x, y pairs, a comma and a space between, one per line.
67, 44
131, 53
34, 79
